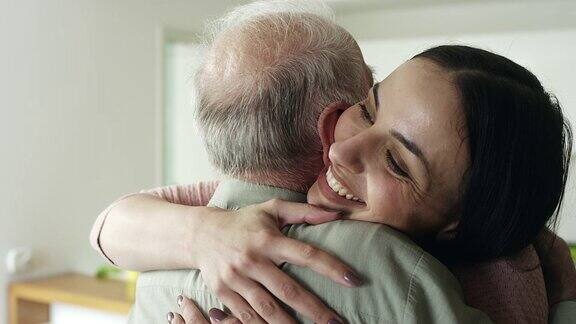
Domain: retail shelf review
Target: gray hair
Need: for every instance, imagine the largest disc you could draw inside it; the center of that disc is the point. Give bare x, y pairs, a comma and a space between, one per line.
270, 69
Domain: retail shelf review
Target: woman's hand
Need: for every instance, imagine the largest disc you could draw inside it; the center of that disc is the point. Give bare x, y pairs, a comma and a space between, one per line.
238, 253
190, 314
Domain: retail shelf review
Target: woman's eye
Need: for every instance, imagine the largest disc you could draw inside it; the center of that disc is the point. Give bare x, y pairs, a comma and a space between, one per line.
365, 114
394, 165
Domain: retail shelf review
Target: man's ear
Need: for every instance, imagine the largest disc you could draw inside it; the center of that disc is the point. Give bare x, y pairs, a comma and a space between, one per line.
327, 121
449, 231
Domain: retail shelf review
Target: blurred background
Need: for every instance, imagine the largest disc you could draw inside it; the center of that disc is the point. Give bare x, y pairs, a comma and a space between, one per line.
96, 102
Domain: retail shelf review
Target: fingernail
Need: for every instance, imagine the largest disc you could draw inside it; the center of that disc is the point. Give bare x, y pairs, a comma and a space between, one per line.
179, 300
352, 278
334, 321
217, 314
170, 317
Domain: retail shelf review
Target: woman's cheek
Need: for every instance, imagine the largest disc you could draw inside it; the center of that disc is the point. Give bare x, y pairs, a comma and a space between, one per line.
393, 205
386, 193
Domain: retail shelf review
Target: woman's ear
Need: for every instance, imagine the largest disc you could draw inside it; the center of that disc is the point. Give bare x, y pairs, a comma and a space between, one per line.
449, 231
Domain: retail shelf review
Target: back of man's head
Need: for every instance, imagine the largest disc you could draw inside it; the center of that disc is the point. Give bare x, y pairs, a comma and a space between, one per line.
270, 69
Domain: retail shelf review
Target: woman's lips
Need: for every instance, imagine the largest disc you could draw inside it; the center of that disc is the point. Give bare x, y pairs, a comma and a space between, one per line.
338, 186
332, 196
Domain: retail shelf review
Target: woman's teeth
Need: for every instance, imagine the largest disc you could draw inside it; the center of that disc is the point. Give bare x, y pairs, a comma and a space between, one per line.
339, 188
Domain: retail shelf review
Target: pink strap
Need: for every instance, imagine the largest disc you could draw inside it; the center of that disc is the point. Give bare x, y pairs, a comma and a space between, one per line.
197, 194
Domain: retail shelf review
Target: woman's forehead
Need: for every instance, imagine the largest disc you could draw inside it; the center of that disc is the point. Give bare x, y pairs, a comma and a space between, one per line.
420, 101
421, 96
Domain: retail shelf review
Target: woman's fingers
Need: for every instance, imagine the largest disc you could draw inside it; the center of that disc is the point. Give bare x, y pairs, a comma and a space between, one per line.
260, 300
305, 255
190, 312
175, 318
218, 316
239, 307
292, 294
296, 213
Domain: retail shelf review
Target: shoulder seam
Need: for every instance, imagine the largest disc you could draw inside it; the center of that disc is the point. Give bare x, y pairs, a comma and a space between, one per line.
411, 285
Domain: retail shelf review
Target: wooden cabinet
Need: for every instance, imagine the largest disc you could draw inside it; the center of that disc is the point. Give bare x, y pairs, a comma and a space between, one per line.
29, 301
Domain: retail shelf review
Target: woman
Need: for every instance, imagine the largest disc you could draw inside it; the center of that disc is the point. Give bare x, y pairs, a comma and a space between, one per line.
459, 148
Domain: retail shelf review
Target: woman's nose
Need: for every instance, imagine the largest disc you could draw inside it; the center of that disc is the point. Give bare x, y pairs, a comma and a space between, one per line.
349, 154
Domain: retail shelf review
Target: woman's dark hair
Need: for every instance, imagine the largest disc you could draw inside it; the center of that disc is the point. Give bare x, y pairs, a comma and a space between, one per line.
520, 146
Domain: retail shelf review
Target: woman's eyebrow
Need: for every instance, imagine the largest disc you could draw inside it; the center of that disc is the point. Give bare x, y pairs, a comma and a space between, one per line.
375, 95
412, 147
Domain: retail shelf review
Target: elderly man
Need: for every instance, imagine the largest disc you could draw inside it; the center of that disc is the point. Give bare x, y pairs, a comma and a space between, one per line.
270, 70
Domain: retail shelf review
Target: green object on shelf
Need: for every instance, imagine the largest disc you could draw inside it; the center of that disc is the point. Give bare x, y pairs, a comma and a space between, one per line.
108, 272
130, 277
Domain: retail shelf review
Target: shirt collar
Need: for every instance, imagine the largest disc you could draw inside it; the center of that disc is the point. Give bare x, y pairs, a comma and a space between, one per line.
235, 194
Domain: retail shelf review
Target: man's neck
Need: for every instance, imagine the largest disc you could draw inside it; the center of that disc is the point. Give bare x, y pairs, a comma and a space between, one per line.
294, 182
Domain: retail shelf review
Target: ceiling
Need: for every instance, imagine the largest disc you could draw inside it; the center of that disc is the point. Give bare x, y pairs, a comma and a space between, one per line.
346, 6
210, 9
349, 6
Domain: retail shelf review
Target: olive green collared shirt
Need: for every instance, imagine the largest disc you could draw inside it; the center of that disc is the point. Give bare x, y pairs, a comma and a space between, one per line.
403, 283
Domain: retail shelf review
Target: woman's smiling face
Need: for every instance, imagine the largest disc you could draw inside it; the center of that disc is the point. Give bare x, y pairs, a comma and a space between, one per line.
399, 157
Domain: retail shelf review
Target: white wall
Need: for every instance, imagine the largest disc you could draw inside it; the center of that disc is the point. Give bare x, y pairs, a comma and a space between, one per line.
185, 157
79, 123
457, 17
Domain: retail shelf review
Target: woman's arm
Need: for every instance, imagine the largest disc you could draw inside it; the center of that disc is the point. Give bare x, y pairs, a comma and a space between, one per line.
237, 251
198, 194
142, 232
